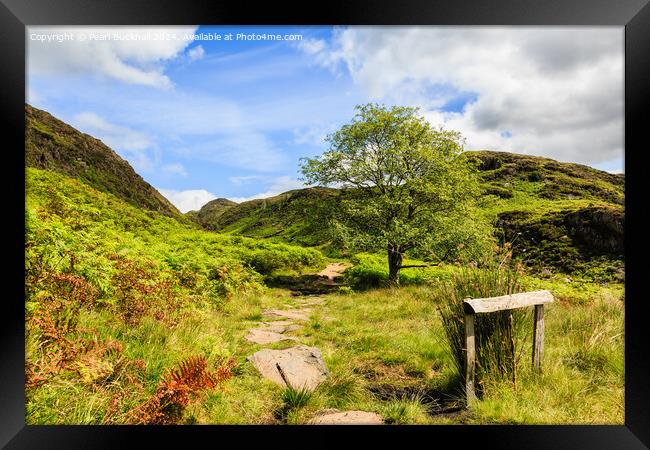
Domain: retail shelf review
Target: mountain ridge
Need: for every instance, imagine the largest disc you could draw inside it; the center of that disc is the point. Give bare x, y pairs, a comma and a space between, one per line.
52, 144
564, 216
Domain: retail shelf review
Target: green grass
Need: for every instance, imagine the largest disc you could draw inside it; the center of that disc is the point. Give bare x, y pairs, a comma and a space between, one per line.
382, 347
385, 348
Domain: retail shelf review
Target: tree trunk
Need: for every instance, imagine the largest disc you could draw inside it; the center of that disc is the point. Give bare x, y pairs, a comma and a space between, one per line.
395, 257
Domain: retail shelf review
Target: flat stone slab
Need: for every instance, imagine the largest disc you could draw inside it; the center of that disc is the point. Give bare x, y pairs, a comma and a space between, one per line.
300, 366
295, 314
280, 326
261, 336
347, 418
312, 301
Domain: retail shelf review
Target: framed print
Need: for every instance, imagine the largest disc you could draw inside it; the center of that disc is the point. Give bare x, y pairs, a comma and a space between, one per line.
419, 216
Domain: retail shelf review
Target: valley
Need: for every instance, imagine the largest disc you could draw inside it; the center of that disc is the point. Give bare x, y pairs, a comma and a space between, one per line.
136, 313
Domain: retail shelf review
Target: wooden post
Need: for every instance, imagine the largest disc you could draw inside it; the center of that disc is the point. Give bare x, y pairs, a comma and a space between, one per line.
538, 338
503, 303
471, 358
511, 335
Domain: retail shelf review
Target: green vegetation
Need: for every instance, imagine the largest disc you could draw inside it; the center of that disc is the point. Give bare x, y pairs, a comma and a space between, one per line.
54, 145
136, 316
497, 335
108, 283
560, 217
406, 187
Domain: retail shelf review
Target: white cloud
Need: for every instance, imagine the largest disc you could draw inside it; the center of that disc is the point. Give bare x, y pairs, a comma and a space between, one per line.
251, 151
175, 169
279, 186
194, 199
312, 135
137, 147
129, 54
32, 97
558, 91
188, 200
240, 180
115, 136
311, 46
195, 53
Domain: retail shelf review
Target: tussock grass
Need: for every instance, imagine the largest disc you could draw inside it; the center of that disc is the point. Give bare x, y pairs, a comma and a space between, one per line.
498, 335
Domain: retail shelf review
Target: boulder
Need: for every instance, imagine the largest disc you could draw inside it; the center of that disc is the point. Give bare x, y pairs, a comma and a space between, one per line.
298, 367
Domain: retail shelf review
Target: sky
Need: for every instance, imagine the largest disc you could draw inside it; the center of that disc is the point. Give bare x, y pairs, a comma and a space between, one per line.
201, 116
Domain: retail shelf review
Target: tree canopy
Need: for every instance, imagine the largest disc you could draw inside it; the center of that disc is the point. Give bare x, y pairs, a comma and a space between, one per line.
406, 186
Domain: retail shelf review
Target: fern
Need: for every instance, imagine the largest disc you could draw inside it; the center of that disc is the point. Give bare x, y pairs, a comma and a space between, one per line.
177, 389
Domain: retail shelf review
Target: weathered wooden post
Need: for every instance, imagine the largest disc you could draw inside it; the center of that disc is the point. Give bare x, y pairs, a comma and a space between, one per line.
538, 338
494, 304
470, 360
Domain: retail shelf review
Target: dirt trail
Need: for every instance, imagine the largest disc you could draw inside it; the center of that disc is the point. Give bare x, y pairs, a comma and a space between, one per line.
333, 271
300, 366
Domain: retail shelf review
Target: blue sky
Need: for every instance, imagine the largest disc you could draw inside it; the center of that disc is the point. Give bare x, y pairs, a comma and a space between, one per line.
204, 119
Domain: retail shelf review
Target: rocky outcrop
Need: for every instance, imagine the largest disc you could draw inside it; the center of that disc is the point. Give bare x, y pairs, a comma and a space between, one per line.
600, 230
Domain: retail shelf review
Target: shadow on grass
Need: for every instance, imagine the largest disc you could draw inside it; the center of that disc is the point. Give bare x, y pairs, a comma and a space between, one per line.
444, 399
302, 284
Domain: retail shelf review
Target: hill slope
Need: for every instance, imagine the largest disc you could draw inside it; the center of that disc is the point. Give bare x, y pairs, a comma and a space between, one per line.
211, 211
562, 216
54, 145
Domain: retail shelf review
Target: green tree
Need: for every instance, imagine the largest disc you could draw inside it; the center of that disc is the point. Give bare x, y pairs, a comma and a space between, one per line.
405, 186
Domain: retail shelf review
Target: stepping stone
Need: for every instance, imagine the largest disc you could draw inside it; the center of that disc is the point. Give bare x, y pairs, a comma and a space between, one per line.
296, 314
347, 418
280, 326
298, 367
259, 336
312, 301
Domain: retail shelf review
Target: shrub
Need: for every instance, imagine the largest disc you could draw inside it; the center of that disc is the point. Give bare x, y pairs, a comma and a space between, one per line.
226, 280
52, 324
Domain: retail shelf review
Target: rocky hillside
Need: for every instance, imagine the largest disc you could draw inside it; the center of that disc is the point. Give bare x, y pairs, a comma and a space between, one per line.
51, 144
557, 216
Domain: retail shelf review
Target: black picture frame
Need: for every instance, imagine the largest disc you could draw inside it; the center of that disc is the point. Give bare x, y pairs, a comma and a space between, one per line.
634, 15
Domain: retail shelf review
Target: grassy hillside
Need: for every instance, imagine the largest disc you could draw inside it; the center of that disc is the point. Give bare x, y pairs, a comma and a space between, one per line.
54, 145
136, 317
559, 217
103, 275
282, 217
116, 297
211, 211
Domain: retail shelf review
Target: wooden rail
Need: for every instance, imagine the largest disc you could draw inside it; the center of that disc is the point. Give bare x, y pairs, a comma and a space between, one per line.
493, 304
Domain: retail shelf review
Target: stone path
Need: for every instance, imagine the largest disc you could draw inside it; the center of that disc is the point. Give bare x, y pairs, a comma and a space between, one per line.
333, 271
300, 366
347, 418
296, 314
262, 336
